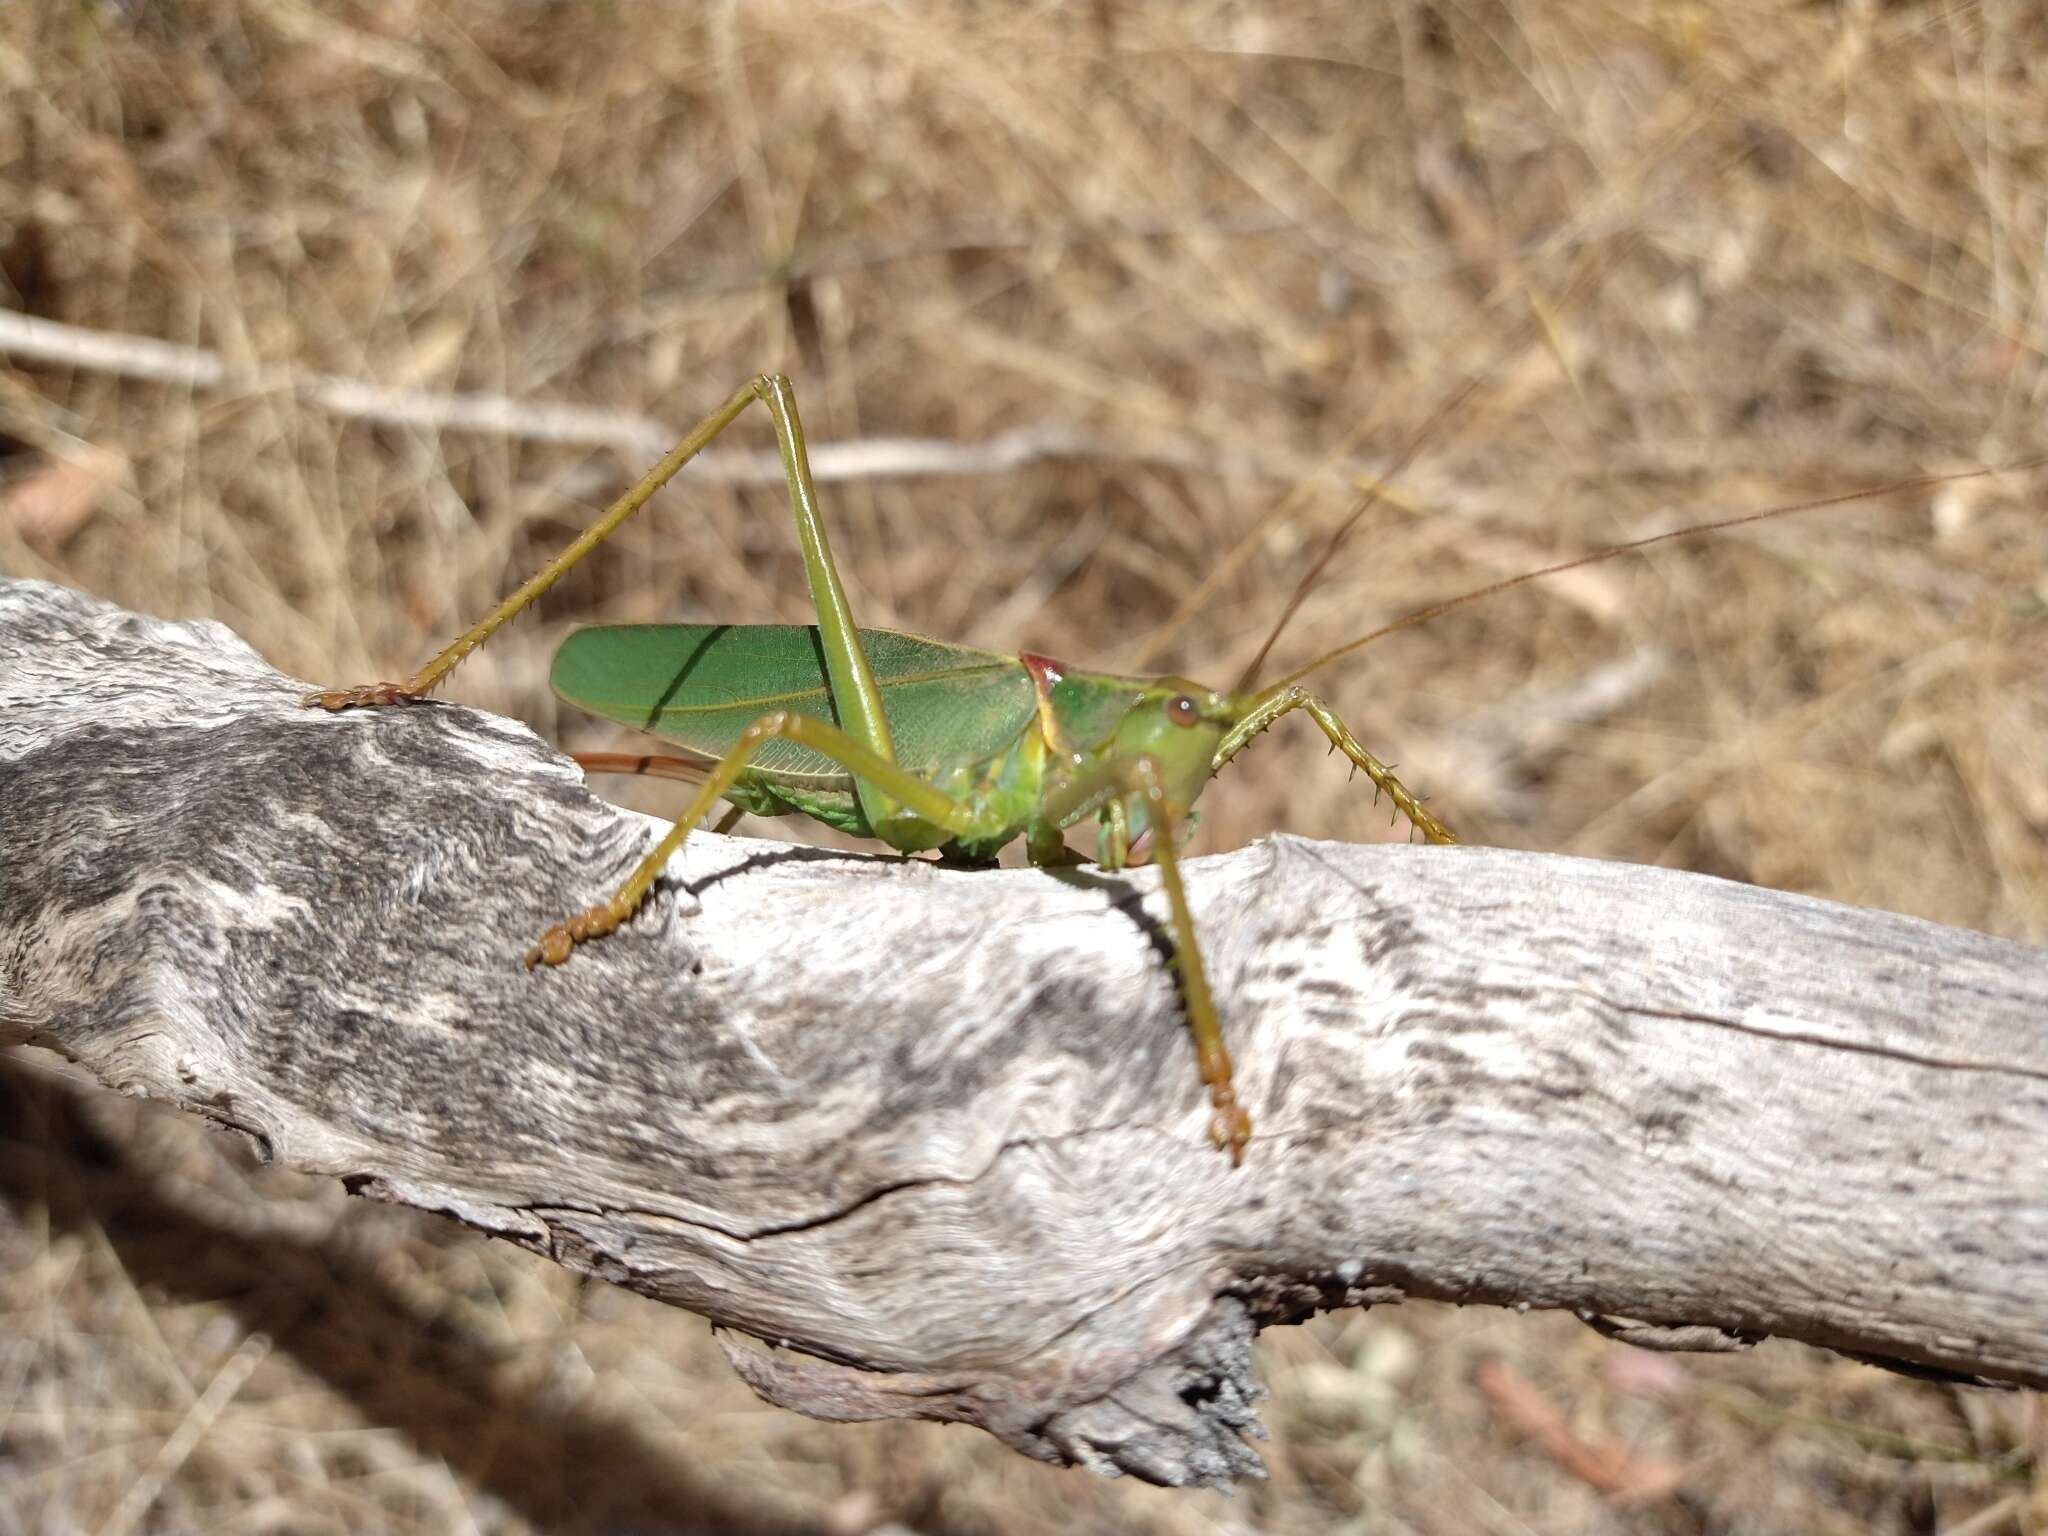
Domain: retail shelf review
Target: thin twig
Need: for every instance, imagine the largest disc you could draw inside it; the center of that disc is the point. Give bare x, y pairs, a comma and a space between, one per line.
636, 436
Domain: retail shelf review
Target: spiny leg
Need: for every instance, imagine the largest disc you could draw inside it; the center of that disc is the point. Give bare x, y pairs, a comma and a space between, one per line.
1294, 697
1230, 1125
921, 799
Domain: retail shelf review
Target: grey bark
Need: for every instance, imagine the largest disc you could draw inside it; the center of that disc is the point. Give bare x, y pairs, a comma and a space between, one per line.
938, 1131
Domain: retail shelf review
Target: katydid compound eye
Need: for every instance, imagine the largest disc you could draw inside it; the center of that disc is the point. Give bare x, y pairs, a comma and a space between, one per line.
1182, 710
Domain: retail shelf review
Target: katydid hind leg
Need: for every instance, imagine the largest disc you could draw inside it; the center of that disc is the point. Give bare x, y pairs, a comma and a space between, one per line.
856, 697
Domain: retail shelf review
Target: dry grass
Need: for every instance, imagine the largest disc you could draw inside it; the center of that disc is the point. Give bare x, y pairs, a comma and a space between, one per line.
1698, 258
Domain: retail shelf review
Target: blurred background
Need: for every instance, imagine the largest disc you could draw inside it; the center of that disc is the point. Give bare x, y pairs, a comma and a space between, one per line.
1163, 287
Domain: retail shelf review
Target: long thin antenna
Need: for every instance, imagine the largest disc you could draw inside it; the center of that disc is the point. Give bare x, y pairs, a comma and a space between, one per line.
1423, 615
1534, 325
1416, 439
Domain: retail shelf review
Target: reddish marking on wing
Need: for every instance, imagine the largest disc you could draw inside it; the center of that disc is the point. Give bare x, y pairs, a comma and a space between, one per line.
1043, 669
1044, 673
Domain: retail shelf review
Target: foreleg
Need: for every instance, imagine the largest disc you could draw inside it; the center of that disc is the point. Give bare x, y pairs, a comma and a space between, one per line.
1295, 697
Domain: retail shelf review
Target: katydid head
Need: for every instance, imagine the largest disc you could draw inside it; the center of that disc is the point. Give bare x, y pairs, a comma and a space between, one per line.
1118, 739
1162, 749
1176, 725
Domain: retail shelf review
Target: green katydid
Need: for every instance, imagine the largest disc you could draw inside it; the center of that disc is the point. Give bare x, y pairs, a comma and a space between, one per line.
924, 745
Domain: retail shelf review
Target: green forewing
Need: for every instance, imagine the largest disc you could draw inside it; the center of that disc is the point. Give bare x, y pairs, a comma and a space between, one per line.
700, 685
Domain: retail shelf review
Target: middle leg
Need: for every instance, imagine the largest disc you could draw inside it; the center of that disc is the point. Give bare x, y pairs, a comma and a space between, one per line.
920, 799
1230, 1125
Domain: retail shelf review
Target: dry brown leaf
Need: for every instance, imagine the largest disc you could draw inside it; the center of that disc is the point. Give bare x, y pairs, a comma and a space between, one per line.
50, 504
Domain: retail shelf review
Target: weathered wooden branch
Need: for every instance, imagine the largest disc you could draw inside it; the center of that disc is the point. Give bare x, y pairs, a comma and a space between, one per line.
939, 1130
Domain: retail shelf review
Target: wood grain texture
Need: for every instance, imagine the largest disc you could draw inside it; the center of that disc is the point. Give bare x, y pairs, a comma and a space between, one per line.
940, 1131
